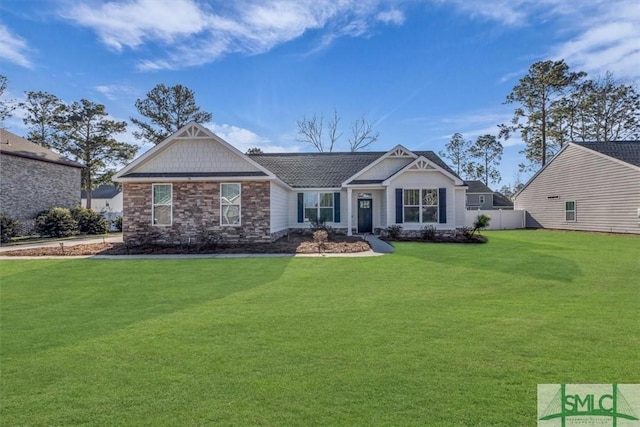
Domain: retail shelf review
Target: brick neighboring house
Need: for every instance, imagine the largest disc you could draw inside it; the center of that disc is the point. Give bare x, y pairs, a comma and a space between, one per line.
34, 178
194, 184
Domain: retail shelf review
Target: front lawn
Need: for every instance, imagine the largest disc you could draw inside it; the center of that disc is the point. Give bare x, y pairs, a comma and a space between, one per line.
434, 334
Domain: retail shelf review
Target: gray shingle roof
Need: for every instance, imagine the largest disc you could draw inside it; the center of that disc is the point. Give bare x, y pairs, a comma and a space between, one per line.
478, 187
627, 151
14, 145
102, 192
500, 199
325, 170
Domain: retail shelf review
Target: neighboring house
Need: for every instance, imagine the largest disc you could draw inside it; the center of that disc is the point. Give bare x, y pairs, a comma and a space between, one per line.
500, 201
481, 197
33, 178
105, 199
194, 184
586, 186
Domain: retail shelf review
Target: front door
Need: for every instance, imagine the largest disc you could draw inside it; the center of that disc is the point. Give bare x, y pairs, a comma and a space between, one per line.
365, 216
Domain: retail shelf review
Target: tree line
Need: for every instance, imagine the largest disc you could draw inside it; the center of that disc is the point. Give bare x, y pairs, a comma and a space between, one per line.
83, 131
554, 106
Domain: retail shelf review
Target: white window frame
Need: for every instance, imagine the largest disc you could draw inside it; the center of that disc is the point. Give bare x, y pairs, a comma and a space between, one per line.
318, 207
421, 205
239, 204
154, 204
567, 211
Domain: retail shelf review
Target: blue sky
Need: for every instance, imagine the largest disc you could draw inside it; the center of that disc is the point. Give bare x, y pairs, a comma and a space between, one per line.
418, 70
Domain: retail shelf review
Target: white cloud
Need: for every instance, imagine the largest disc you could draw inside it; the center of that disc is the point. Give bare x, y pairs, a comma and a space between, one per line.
113, 92
204, 32
474, 124
605, 46
509, 12
13, 48
133, 23
597, 35
243, 139
393, 16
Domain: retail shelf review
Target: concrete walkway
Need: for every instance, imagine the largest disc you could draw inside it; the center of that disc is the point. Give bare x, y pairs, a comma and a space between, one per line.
67, 242
377, 245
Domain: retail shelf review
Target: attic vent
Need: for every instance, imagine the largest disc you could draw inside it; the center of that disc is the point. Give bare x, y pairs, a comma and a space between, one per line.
399, 152
421, 165
193, 132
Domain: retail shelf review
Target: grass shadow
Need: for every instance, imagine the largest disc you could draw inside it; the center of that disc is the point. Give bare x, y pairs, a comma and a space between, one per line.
535, 260
60, 302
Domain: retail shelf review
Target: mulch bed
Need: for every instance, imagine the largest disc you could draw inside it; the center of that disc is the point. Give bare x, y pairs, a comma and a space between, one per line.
441, 238
286, 245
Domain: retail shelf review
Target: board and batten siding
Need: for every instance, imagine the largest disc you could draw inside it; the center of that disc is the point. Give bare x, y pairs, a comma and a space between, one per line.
279, 207
386, 168
196, 155
460, 207
423, 180
293, 208
606, 193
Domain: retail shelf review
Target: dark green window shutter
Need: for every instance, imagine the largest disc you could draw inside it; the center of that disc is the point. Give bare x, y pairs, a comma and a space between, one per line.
442, 205
300, 207
399, 218
336, 207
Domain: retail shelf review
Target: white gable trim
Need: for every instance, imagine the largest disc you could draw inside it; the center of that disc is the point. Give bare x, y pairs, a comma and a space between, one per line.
191, 130
395, 152
422, 164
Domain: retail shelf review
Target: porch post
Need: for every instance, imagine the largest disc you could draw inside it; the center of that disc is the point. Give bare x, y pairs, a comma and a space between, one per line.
349, 203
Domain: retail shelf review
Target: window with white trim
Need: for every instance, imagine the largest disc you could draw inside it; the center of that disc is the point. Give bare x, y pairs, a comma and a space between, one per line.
318, 206
230, 204
570, 211
162, 204
420, 206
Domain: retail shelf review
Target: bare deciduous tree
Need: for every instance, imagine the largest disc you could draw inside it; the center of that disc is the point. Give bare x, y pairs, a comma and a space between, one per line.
312, 131
362, 135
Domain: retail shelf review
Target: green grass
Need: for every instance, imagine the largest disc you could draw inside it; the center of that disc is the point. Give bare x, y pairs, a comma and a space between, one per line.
434, 334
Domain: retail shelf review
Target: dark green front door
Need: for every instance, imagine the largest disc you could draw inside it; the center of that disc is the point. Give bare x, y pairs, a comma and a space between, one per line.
365, 216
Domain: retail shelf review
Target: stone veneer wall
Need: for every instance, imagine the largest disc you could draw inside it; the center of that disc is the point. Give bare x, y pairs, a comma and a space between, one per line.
28, 187
196, 214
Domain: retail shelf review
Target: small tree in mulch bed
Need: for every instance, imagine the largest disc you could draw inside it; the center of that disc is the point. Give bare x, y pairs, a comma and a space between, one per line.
320, 237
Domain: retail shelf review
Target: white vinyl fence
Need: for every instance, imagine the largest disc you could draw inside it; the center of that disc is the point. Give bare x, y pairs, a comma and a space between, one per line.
500, 219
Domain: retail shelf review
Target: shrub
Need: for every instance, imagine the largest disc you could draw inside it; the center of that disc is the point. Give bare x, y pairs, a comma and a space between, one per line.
316, 224
428, 232
117, 223
89, 221
467, 232
209, 238
56, 222
481, 222
8, 228
394, 231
